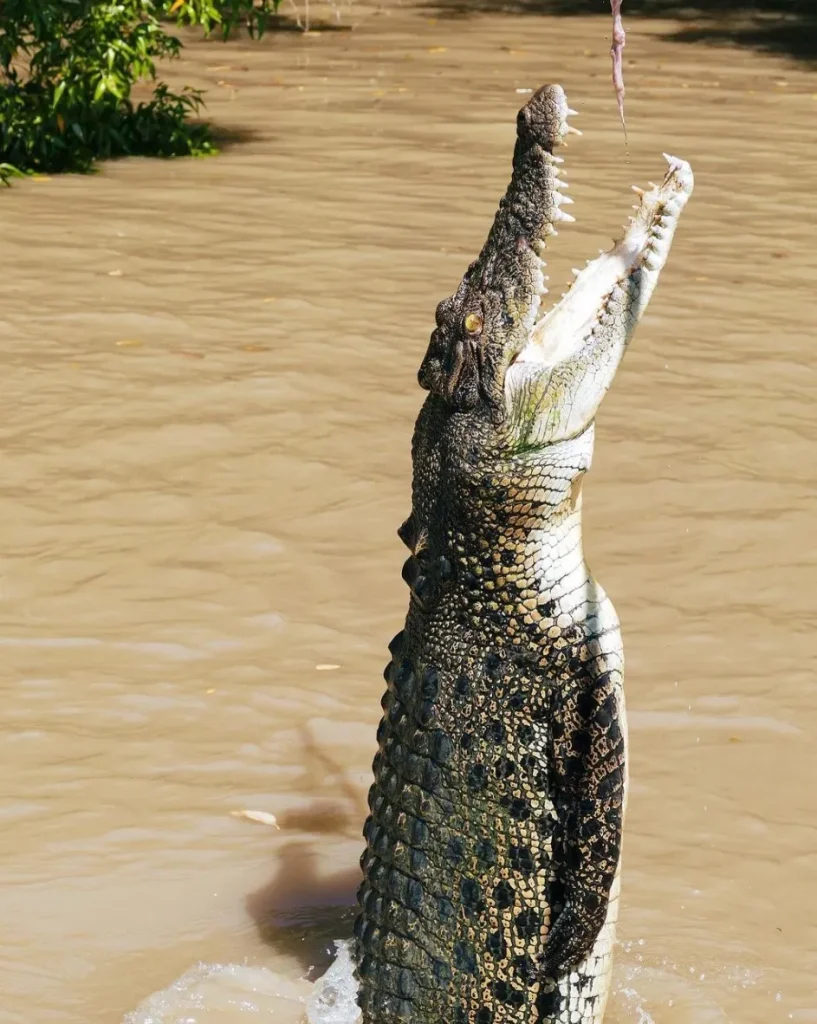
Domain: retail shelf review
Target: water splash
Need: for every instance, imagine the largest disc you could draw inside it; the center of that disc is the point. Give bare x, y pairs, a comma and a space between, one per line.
209, 993
232, 993
636, 1010
334, 1000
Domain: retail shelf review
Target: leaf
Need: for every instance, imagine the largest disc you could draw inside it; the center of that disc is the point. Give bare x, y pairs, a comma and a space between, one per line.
8, 171
262, 817
61, 123
175, 6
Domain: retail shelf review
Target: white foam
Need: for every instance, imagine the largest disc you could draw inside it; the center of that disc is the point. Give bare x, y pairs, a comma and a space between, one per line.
232, 993
334, 998
224, 994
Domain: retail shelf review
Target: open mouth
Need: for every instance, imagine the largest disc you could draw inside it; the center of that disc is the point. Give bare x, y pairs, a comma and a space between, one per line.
619, 282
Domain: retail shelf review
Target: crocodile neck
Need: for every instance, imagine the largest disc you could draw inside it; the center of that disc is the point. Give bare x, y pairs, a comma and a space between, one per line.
509, 528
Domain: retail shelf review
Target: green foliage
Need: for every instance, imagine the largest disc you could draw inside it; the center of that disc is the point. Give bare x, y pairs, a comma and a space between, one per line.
7, 172
254, 14
68, 67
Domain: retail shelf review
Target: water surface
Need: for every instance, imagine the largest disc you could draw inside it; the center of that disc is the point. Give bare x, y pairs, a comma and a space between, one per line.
209, 388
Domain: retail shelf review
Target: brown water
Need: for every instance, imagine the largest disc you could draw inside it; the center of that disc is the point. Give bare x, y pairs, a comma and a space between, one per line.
208, 377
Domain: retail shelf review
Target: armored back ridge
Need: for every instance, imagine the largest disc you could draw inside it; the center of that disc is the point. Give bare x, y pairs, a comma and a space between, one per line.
491, 870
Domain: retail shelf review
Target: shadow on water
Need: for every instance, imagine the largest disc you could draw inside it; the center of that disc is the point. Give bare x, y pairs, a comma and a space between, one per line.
289, 23
795, 38
277, 23
301, 910
785, 27
227, 136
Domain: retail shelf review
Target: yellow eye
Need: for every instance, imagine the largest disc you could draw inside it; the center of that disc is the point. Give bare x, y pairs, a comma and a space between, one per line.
473, 323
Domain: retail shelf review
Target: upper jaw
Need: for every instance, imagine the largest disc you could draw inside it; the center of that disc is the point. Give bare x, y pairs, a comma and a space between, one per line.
534, 205
504, 286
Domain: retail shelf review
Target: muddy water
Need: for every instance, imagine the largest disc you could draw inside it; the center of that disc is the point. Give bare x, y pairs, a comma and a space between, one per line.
208, 392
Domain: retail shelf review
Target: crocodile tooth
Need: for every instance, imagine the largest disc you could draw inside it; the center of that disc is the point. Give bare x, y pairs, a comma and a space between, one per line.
539, 247
557, 159
570, 130
575, 271
575, 113
560, 215
638, 191
549, 229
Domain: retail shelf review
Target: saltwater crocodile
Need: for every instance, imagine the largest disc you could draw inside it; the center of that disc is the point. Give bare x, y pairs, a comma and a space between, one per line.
491, 871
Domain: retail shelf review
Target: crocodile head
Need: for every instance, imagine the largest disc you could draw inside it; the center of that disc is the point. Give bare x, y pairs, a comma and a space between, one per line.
536, 377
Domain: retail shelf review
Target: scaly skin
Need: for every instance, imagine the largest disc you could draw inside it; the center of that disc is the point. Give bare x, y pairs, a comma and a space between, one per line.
491, 873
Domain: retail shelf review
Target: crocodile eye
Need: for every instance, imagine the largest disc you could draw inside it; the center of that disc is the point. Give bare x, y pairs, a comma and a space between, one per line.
473, 323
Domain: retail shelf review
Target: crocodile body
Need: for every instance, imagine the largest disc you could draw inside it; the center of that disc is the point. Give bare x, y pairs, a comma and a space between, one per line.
491, 870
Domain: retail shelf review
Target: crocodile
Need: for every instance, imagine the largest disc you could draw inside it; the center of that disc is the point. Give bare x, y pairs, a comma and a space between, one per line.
492, 861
